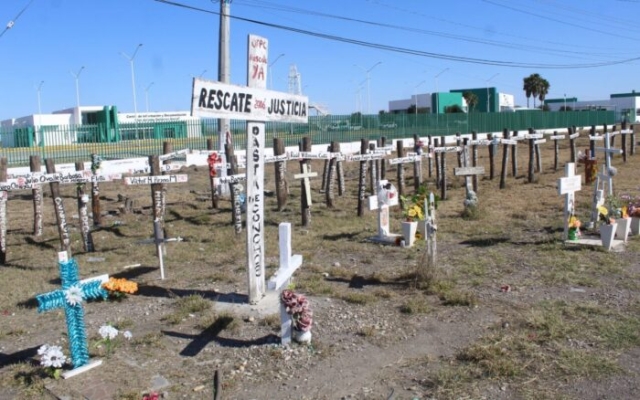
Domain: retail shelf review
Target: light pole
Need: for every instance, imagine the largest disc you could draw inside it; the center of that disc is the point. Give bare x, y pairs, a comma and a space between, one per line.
415, 91
133, 84
436, 79
367, 72
269, 70
488, 95
38, 90
77, 77
146, 95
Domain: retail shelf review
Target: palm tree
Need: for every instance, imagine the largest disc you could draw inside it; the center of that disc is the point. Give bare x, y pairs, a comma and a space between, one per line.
543, 89
532, 86
471, 99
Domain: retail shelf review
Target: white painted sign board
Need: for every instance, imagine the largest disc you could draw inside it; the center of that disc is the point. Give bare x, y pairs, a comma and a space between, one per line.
154, 179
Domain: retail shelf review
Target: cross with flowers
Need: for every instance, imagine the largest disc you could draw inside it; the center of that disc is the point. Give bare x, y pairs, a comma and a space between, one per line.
70, 298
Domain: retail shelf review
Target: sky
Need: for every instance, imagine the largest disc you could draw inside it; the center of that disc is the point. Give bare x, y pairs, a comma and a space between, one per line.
352, 55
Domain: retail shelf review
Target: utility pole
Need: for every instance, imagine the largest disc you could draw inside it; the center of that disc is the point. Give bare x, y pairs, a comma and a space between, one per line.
224, 76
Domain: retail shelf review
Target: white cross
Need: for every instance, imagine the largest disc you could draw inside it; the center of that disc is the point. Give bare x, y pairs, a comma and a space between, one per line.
305, 175
279, 281
608, 151
387, 197
567, 186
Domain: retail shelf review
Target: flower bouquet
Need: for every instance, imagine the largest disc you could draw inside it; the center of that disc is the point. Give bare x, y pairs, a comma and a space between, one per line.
52, 359
118, 288
297, 306
574, 227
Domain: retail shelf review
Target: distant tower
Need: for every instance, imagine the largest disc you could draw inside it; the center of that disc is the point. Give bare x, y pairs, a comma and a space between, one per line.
295, 83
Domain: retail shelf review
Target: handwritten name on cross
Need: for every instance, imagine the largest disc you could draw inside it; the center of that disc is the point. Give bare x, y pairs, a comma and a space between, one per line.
305, 175
280, 280
567, 186
70, 297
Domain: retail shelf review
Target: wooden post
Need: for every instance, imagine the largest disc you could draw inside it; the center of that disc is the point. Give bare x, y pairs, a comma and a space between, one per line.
400, 167
623, 127
83, 199
536, 149
214, 192
236, 215
325, 173
95, 192
429, 160
556, 150
592, 143
362, 181
35, 166
340, 170
632, 150
437, 157
492, 166
280, 166
373, 171
531, 175
158, 203
167, 148
382, 171
459, 143
417, 165
572, 145
328, 177
58, 205
305, 209
505, 159
514, 156
443, 174
474, 159
4, 197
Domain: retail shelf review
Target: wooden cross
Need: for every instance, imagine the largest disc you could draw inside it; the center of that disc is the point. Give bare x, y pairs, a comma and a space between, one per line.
387, 197
608, 151
431, 227
305, 175
468, 172
70, 298
282, 277
567, 186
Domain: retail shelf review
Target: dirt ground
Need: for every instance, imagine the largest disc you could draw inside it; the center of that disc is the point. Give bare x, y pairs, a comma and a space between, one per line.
510, 311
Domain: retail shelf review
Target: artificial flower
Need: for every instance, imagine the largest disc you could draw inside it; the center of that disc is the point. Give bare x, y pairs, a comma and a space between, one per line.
127, 335
108, 332
73, 295
53, 357
120, 285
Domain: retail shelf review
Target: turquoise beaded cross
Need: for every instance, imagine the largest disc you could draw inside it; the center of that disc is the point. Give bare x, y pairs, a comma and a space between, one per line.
69, 297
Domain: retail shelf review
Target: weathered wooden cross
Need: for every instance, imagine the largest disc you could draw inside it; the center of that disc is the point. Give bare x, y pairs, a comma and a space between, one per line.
305, 175
471, 199
609, 171
70, 297
282, 277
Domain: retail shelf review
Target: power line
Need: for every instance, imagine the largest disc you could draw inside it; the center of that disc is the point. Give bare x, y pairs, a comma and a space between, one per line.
11, 23
420, 53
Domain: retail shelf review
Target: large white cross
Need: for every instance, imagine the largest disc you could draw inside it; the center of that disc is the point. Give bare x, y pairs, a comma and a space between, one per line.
608, 151
567, 186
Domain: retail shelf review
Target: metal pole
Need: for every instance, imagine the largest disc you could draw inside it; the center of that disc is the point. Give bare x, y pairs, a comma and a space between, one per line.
77, 76
38, 89
269, 71
146, 95
367, 71
133, 84
489, 80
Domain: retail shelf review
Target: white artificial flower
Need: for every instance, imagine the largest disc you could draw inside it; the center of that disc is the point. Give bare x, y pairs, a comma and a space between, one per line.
108, 332
43, 349
73, 295
127, 335
53, 357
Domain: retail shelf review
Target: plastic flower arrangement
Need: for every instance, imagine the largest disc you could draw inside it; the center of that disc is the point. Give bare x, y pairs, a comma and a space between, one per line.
109, 335
297, 306
612, 209
413, 207
118, 287
633, 205
52, 359
574, 227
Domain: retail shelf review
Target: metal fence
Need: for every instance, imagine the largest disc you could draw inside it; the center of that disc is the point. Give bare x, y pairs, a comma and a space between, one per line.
69, 143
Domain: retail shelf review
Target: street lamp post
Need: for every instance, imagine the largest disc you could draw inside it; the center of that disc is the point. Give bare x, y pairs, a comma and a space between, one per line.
38, 90
133, 84
367, 73
269, 70
488, 95
415, 91
77, 77
436, 81
146, 95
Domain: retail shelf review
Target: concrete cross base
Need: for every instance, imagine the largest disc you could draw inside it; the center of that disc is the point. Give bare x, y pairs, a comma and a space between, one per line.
617, 246
390, 239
